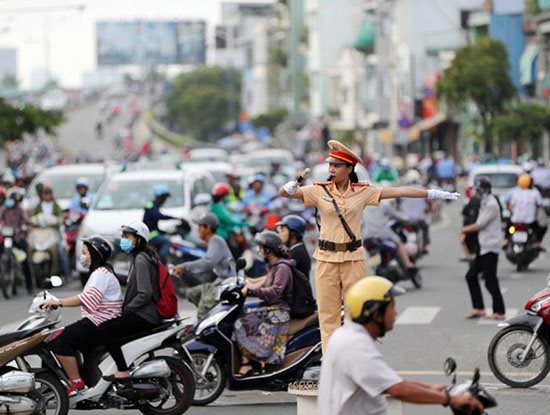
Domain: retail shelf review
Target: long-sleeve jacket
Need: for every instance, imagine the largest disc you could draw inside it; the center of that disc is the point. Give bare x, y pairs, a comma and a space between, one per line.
278, 285
15, 218
226, 222
141, 293
151, 218
489, 225
218, 258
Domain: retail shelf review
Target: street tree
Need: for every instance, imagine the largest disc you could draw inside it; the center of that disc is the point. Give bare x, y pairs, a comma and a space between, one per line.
202, 102
28, 119
479, 75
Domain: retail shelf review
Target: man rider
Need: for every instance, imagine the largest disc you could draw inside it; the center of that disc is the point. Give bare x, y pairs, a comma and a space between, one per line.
291, 229
236, 192
416, 209
151, 218
354, 375
385, 172
524, 204
76, 204
216, 265
257, 194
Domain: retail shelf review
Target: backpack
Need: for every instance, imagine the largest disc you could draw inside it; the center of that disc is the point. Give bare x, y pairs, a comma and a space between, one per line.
303, 303
167, 304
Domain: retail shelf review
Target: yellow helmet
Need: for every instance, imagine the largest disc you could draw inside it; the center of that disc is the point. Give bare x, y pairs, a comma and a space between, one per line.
524, 181
369, 295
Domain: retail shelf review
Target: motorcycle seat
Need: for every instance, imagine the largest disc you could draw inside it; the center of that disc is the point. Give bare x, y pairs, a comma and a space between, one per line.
17, 335
297, 325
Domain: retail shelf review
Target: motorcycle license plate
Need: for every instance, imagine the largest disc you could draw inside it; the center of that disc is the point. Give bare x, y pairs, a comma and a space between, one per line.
8, 243
374, 261
520, 237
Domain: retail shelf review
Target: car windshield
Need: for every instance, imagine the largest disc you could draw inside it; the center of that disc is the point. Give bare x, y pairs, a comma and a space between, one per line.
500, 180
122, 195
63, 185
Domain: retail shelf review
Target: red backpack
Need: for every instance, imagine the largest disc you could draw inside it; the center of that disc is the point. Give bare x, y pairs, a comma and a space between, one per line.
167, 304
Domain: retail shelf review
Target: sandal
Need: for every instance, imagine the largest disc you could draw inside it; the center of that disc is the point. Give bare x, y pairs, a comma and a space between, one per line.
245, 370
475, 314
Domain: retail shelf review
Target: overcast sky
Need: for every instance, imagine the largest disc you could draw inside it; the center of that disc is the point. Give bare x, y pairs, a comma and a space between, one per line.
71, 33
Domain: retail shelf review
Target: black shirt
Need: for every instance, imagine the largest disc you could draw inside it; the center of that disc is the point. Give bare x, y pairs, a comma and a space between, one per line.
298, 253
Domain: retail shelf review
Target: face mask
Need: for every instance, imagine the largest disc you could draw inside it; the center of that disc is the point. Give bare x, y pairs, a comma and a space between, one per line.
9, 203
126, 245
84, 262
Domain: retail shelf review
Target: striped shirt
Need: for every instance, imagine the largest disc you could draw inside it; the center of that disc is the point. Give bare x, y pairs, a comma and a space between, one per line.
101, 298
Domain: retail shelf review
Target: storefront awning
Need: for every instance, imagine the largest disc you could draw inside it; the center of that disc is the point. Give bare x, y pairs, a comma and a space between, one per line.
365, 40
527, 64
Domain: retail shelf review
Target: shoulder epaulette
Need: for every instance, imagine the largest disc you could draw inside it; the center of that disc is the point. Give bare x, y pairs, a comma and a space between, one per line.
361, 184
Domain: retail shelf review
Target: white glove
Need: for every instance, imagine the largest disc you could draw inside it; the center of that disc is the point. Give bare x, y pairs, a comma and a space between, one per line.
291, 187
441, 194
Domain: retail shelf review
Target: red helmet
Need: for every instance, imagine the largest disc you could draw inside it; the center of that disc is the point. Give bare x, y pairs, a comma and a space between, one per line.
221, 189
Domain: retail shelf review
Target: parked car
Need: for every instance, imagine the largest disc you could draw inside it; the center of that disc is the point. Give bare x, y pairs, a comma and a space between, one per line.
62, 179
123, 197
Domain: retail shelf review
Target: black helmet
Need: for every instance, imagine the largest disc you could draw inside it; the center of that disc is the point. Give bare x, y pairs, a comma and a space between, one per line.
483, 183
100, 245
294, 223
269, 240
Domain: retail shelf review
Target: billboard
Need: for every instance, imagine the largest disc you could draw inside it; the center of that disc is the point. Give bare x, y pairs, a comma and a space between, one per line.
142, 42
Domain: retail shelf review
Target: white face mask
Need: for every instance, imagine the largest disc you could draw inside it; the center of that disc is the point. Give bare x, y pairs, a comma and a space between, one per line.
84, 262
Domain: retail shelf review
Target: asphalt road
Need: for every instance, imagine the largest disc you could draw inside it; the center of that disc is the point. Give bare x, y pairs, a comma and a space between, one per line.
422, 339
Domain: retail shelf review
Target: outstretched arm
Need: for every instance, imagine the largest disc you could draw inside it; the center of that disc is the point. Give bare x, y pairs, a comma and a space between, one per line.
413, 192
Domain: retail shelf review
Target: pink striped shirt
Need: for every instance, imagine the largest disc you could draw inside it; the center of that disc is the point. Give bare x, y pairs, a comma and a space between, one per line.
101, 298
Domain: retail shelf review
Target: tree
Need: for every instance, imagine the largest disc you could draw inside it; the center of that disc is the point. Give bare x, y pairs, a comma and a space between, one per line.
203, 101
478, 75
17, 121
271, 119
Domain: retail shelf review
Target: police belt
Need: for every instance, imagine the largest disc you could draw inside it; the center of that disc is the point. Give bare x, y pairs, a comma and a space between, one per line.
340, 247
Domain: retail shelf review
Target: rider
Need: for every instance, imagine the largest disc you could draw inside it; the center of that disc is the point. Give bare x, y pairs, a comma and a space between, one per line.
416, 209
385, 172
227, 223
13, 216
100, 300
236, 192
49, 208
291, 230
524, 204
354, 375
257, 194
217, 264
151, 218
82, 192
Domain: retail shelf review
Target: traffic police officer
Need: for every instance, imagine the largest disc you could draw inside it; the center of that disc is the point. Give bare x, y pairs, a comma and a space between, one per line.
340, 258
151, 218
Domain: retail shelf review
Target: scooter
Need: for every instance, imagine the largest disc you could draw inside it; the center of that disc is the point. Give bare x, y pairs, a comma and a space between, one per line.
469, 386
519, 354
214, 358
10, 267
384, 259
43, 236
520, 250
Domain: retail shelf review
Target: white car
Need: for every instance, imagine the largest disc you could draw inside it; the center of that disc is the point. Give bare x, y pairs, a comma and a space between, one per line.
123, 197
54, 100
503, 178
208, 154
218, 169
63, 178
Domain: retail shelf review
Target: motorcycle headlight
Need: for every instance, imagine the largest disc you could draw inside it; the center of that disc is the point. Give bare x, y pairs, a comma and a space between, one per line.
214, 319
537, 305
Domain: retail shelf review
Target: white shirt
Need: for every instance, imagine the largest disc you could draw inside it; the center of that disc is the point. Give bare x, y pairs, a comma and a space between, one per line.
354, 375
101, 298
524, 204
47, 208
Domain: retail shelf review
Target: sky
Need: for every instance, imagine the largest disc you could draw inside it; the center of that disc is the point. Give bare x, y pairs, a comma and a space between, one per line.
69, 34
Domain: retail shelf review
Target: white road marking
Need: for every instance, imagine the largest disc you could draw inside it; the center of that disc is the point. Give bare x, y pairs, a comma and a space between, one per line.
510, 312
418, 315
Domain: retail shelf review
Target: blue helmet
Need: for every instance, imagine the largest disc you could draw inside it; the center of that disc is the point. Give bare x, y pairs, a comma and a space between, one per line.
294, 223
161, 190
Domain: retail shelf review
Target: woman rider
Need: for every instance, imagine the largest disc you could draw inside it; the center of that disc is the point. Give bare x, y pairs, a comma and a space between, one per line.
341, 261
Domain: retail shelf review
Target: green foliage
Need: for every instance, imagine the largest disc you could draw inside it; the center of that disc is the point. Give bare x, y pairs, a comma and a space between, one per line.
479, 75
15, 122
9, 82
522, 122
532, 6
270, 119
203, 101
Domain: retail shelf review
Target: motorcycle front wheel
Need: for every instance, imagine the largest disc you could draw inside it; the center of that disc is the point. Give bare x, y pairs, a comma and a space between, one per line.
54, 393
181, 384
7, 277
208, 391
505, 357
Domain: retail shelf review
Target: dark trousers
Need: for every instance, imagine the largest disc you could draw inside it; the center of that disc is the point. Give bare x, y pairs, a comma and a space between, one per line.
79, 336
22, 245
487, 265
111, 332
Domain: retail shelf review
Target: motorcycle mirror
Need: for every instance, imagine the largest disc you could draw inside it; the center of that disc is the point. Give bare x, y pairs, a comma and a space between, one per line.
475, 379
450, 366
241, 263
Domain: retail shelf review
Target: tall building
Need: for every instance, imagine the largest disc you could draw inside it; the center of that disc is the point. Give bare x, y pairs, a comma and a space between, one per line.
8, 63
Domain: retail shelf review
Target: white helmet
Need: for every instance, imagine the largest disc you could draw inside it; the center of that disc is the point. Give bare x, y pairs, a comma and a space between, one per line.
412, 176
138, 228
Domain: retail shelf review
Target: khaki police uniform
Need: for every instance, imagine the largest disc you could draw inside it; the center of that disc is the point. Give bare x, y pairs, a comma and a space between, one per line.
338, 265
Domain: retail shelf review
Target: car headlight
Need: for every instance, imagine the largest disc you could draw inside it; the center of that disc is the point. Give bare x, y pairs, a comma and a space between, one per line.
214, 319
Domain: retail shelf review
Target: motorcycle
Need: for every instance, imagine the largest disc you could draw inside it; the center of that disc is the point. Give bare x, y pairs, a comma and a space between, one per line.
519, 354
469, 386
213, 357
520, 250
10, 263
413, 238
155, 381
384, 259
72, 219
44, 258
